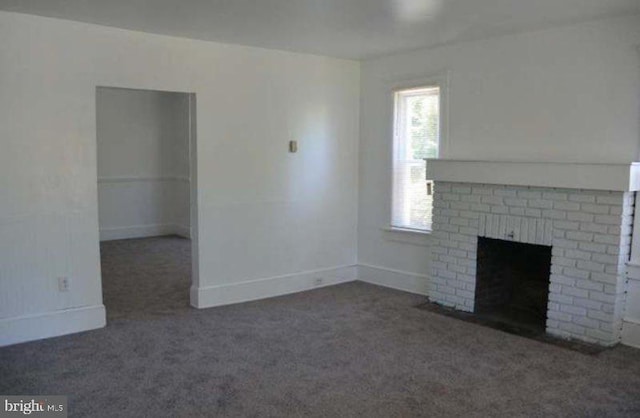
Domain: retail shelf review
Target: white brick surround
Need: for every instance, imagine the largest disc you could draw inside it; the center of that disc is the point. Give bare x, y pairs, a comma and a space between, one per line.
589, 232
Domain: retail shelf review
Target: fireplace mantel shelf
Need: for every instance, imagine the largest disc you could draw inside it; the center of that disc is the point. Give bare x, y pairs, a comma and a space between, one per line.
622, 177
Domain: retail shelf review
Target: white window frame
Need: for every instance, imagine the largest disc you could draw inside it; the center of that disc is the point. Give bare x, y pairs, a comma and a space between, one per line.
441, 81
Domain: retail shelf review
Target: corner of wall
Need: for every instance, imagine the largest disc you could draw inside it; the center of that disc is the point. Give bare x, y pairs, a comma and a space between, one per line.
394, 279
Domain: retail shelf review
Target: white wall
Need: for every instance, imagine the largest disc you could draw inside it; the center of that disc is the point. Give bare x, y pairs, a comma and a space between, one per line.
266, 218
143, 163
631, 322
565, 94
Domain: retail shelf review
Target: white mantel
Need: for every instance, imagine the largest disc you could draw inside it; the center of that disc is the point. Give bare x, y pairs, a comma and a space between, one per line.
622, 177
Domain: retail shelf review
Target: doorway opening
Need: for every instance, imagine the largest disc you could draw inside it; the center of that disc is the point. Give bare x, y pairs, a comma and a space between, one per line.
146, 200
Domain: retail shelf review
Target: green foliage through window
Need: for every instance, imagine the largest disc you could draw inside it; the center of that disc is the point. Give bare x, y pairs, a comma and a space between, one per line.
423, 129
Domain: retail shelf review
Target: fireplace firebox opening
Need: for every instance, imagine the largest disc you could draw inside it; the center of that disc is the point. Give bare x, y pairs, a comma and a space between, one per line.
512, 284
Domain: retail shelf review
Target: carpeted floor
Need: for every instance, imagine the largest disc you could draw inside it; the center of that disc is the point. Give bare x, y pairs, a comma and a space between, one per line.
146, 278
343, 351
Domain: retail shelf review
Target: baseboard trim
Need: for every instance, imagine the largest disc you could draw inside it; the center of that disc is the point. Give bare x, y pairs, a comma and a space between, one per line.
143, 231
182, 231
227, 294
139, 179
631, 333
395, 279
51, 324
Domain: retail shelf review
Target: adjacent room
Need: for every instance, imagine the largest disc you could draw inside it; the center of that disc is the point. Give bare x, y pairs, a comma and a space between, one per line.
384, 208
144, 202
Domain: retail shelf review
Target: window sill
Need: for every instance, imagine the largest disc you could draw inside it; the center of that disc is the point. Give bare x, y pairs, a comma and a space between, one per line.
407, 236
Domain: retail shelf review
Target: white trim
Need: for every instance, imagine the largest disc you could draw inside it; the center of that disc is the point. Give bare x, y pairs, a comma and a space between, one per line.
635, 236
631, 333
226, 294
51, 324
631, 321
193, 190
396, 279
587, 176
407, 230
139, 179
142, 231
633, 270
408, 236
439, 79
182, 231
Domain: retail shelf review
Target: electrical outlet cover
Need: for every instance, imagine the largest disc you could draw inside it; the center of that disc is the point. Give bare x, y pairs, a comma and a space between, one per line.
63, 284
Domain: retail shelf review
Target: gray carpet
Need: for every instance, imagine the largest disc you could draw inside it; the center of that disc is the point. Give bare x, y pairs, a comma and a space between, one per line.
146, 278
343, 351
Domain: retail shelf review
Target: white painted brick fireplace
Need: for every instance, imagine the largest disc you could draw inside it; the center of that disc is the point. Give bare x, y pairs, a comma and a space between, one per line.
586, 219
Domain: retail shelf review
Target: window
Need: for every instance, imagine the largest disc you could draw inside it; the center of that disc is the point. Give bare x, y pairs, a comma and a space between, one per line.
416, 137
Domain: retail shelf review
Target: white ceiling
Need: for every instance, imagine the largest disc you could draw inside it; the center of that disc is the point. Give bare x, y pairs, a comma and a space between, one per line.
356, 29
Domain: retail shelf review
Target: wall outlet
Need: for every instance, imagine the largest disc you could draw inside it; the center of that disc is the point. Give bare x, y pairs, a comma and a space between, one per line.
63, 284
318, 281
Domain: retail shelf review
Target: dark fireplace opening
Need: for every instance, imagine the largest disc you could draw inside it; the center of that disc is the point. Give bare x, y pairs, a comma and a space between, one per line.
512, 284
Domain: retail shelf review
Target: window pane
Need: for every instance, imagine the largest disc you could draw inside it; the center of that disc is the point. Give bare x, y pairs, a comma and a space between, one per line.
423, 127
420, 210
417, 137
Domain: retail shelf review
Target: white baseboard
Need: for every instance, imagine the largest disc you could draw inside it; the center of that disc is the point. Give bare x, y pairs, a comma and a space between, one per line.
51, 324
143, 231
395, 279
631, 333
182, 231
226, 294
